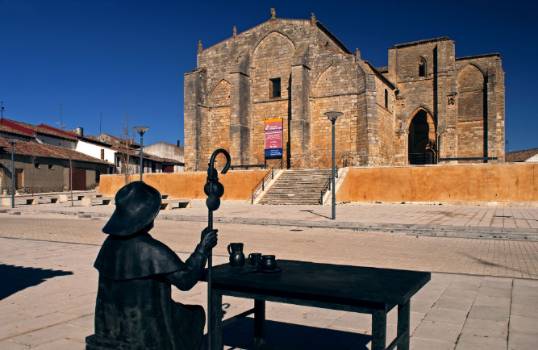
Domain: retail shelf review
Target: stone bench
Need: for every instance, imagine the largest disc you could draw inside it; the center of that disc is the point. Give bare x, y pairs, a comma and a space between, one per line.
174, 204
30, 201
89, 201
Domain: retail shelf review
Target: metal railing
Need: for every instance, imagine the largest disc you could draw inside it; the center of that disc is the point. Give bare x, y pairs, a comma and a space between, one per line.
326, 187
260, 187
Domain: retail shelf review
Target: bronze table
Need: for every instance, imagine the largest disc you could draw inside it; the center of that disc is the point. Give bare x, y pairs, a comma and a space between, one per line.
339, 287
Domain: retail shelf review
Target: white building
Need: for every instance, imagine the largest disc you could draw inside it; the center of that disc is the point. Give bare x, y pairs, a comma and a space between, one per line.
170, 152
96, 149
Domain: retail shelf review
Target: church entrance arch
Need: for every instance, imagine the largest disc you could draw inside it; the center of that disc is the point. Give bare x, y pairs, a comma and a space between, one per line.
421, 139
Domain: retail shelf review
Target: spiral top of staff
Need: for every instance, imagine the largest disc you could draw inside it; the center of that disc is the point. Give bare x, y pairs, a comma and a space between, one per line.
425, 106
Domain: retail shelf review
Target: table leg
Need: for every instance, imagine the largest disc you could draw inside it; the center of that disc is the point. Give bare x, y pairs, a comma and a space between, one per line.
215, 320
259, 320
404, 315
379, 330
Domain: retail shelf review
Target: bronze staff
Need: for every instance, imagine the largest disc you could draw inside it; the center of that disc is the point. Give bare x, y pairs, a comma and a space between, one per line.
214, 190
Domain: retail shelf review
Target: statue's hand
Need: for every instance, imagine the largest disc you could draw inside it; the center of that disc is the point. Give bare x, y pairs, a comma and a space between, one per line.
208, 240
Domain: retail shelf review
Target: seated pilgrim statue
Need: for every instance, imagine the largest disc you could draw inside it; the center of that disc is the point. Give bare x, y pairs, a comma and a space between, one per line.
134, 308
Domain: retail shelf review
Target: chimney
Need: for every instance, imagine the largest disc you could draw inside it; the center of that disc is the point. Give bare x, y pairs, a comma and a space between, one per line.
79, 131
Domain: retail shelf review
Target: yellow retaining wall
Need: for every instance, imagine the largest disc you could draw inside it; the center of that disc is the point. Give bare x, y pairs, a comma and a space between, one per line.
189, 185
509, 182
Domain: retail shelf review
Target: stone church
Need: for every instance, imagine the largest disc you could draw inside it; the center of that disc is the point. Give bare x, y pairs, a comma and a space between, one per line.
426, 106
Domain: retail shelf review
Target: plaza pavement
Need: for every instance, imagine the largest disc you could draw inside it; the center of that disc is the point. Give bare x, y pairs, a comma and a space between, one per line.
48, 300
518, 222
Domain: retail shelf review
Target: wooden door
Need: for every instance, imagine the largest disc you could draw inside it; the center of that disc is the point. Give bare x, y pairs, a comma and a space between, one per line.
19, 180
79, 179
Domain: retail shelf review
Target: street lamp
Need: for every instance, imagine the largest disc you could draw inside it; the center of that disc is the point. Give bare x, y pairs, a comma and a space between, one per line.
332, 116
141, 130
12, 142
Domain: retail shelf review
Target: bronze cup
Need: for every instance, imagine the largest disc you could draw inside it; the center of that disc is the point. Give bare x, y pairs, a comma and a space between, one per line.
254, 259
268, 262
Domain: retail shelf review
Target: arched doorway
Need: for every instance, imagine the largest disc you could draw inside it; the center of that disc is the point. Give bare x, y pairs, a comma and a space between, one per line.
421, 139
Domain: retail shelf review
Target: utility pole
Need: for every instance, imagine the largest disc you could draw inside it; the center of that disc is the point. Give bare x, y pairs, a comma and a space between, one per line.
13, 171
71, 179
2, 108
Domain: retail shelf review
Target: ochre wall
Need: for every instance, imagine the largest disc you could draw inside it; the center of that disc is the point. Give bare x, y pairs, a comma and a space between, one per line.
189, 185
442, 183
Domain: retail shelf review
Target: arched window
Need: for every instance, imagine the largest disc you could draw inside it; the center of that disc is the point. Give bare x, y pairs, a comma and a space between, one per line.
386, 99
422, 67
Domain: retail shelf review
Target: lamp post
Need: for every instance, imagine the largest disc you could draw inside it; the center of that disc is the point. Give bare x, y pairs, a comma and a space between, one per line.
332, 116
141, 130
12, 142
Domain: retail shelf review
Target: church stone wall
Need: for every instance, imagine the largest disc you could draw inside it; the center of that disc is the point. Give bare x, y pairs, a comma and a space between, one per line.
228, 97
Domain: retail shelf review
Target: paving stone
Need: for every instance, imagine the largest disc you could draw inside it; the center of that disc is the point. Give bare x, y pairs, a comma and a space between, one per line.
441, 331
522, 341
446, 315
485, 328
62, 344
473, 342
496, 292
491, 313
521, 324
452, 303
10, 345
525, 310
418, 343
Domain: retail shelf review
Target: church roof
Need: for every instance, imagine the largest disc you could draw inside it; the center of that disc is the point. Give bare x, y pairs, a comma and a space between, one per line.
319, 25
522, 155
419, 42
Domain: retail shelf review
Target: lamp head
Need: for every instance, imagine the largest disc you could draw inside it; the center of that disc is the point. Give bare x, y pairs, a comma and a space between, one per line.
141, 130
333, 115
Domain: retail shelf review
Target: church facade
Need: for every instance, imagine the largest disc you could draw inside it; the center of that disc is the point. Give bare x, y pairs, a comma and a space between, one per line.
426, 106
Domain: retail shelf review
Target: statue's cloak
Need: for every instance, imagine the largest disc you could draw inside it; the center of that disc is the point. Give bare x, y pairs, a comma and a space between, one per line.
134, 307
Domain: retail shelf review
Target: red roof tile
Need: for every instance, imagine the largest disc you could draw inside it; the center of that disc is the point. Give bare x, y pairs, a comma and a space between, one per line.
50, 130
30, 148
15, 127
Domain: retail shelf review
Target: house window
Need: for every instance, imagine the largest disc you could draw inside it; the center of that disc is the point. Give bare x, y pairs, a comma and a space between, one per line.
386, 99
102, 154
275, 90
422, 67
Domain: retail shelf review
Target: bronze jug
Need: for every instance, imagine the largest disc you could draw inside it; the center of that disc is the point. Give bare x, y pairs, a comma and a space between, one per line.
237, 258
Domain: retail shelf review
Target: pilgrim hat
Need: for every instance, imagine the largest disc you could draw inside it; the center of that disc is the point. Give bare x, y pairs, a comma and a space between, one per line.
137, 205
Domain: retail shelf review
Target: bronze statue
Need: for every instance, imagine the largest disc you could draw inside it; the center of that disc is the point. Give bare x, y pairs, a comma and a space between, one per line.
134, 308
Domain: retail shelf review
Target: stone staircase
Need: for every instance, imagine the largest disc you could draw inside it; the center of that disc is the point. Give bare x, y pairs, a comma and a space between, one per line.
302, 186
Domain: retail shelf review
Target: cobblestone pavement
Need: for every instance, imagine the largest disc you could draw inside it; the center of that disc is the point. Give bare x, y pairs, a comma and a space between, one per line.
49, 304
476, 221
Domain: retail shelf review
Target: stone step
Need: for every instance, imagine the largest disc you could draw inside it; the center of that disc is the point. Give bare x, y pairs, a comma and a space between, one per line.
298, 187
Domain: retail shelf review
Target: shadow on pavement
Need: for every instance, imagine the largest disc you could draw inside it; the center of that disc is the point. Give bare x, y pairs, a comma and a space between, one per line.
16, 278
314, 213
284, 336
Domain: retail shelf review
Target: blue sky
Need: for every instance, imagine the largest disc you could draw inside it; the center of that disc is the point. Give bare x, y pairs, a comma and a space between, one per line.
71, 61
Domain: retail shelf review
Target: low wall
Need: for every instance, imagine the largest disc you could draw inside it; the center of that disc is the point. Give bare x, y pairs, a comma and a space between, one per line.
508, 182
189, 185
